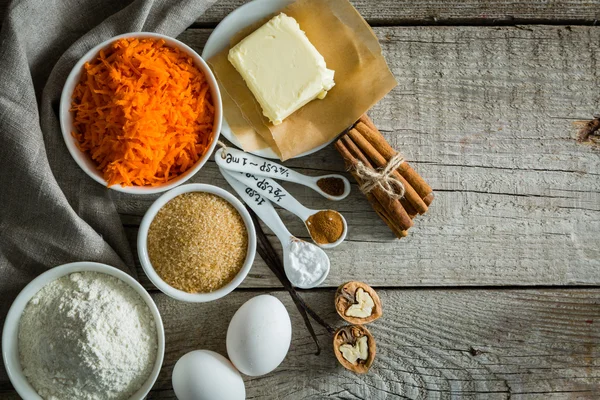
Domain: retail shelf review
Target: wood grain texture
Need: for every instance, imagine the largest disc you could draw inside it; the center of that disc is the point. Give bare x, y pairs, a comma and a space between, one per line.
486, 117
438, 344
430, 344
393, 12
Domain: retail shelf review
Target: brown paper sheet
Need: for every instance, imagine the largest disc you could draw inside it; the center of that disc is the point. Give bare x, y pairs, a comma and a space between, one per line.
362, 78
249, 139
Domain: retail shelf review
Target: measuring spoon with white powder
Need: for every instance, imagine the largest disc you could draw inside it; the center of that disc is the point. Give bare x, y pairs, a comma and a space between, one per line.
333, 221
240, 161
305, 264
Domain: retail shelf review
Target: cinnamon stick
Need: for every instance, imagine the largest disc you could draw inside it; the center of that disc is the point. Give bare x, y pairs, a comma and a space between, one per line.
396, 231
376, 139
368, 121
410, 194
428, 199
380, 210
410, 210
394, 209
356, 151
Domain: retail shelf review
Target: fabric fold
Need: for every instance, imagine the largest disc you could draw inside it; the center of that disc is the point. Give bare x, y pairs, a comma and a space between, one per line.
51, 212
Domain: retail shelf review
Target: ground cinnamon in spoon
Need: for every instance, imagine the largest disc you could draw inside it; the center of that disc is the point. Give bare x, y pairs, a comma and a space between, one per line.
331, 186
325, 226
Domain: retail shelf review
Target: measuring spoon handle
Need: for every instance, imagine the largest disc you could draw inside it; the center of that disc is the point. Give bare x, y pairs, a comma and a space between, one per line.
240, 161
261, 206
274, 192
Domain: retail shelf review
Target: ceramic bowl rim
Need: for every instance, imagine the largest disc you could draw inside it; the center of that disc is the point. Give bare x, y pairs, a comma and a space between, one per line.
86, 163
142, 244
10, 351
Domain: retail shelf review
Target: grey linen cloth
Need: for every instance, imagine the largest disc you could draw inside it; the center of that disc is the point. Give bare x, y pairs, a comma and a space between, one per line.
51, 212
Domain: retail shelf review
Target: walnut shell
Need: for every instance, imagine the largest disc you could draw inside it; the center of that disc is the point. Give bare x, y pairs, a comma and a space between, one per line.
345, 297
349, 335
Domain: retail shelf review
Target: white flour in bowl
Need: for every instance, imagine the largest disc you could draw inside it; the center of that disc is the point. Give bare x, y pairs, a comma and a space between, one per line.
87, 335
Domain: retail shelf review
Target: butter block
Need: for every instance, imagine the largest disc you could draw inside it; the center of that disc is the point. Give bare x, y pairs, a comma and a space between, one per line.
282, 69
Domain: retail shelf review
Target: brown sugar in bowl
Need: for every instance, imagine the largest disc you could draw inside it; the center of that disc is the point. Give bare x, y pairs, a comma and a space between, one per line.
193, 285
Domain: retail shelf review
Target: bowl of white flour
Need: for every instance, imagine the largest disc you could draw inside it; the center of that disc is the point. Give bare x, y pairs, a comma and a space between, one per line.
83, 331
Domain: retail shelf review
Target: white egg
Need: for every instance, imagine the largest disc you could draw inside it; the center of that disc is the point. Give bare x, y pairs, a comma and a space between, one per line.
259, 335
206, 375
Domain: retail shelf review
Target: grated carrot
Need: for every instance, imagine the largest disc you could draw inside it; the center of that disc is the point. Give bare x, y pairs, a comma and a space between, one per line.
143, 112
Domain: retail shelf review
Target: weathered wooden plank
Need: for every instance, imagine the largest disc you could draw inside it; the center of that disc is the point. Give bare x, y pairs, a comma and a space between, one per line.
477, 248
391, 12
394, 12
495, 344
487, 113
430, 343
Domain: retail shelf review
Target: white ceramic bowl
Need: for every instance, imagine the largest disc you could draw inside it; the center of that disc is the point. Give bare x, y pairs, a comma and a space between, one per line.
142, 244
10, 333
84, 160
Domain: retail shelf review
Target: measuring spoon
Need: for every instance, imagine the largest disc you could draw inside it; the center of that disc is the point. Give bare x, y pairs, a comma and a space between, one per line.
273, 191
266, 212
237, 160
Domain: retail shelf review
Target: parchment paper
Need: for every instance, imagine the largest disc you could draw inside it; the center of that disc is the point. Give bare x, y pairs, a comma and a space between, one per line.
245, 133
362, 78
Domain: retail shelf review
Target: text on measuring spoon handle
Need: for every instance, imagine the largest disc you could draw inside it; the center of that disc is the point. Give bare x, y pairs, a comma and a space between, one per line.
255, 196
268, 186
258, 164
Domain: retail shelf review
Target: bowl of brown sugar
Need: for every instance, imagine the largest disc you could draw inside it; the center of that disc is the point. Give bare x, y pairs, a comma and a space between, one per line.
196, 243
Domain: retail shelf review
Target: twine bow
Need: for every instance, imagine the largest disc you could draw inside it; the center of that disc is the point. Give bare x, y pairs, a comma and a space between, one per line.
382, 178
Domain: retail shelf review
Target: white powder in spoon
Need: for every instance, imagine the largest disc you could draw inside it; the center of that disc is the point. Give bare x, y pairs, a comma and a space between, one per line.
306, 265
87, 335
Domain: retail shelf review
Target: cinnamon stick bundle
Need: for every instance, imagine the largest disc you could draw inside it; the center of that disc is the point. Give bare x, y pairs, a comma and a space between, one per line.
372, 134
393, 208
410, 195
364, 143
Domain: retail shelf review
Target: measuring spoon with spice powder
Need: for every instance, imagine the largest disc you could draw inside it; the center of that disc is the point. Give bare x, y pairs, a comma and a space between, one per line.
327, 228
333, 186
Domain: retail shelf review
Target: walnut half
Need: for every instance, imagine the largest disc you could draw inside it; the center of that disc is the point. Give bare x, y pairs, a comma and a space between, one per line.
354, 347
357, 303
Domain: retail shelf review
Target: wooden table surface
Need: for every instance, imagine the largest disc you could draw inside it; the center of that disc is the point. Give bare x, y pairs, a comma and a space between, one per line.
495, 293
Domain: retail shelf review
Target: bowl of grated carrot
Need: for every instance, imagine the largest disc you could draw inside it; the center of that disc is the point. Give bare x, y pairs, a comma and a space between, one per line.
141, 113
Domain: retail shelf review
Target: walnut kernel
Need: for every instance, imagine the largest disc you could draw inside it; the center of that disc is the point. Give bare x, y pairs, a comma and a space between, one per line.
354, 347
357, 303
